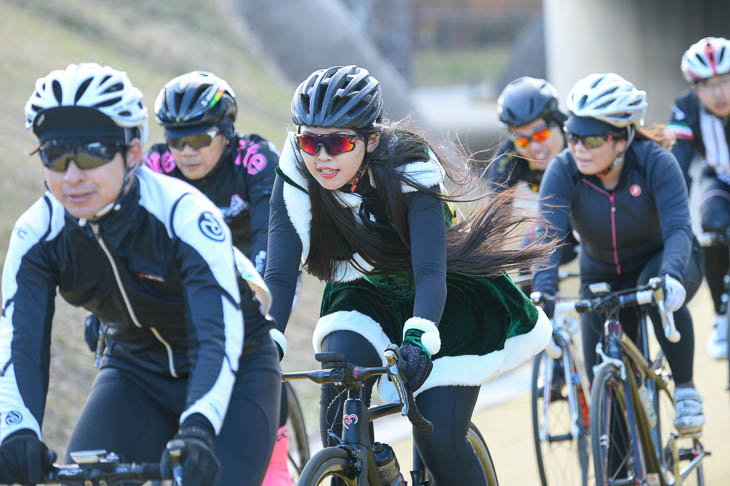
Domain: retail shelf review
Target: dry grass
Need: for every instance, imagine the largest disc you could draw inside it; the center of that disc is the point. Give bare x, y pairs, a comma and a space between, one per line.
152, 41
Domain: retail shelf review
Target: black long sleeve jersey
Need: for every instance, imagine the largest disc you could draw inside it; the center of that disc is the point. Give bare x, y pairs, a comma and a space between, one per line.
508, 168
240, 185
159, 272
646, 213
686, 126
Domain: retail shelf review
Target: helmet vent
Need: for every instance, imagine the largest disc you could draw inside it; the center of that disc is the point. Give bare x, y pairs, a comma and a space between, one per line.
57, 91
82, 89
124, 113
721, 55
701, 59
109, 102
114, 88
604, 104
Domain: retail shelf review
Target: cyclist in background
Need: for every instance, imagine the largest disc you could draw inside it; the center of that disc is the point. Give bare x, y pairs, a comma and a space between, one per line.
528, 108
189, 355
700, 123
359, 203
626, 198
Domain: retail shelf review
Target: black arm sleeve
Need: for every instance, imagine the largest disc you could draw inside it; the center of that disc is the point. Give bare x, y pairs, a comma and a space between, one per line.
428, 254
664, 178
284, 254
556, 193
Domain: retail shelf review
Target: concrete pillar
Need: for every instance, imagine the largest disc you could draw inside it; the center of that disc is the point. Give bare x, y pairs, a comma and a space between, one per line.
642, 41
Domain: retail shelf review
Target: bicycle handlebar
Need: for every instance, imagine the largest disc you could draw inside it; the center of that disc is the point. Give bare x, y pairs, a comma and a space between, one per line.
611, 302
101, 467
341, 373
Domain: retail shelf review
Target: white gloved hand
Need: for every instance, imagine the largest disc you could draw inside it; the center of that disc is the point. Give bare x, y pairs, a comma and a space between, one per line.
674, 294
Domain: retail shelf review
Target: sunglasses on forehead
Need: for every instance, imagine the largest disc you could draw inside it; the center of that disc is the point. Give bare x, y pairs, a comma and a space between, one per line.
589, 141
85, 156
539, 136
196, 142
333, 143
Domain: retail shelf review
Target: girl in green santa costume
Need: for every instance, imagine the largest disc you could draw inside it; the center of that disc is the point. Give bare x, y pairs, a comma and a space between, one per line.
360, 205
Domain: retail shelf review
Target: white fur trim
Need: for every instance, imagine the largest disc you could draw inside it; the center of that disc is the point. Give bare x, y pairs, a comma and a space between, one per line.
427, 174
298, 205
473, 370
431, 339
278, 337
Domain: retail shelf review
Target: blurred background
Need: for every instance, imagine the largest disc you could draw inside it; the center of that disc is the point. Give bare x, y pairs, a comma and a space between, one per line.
441, 62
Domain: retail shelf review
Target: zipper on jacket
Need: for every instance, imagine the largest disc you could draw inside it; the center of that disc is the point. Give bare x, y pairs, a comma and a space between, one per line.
612, 200
128, 304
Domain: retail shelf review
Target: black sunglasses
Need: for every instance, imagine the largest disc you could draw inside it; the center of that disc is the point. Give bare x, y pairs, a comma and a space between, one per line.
85, 156
196, 142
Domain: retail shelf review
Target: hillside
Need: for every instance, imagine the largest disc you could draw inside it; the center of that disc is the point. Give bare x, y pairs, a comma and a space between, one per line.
152, 41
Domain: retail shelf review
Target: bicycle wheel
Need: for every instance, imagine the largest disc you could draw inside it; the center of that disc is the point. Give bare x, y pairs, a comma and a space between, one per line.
688, 446
613, 444
561, 458
298, 439
329, 463
475, 439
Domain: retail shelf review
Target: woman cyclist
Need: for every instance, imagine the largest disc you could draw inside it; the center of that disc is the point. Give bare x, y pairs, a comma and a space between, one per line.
625, 196
700, 123
189, 358
528, 108
359, 203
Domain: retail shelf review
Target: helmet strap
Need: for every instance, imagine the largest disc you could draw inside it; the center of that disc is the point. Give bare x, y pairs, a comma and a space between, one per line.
620, 159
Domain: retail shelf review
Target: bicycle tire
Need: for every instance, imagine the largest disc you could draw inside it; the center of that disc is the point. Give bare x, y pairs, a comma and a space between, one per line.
612, 443
479, 445
298, 453
328, 463
565, 460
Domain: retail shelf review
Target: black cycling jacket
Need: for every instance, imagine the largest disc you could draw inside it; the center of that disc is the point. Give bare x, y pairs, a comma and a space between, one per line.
685, 124
240, 185
646, 213
159, 272
508, 168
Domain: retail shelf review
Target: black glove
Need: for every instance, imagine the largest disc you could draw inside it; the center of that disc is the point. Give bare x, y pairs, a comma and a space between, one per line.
199, 466
92, 330
415, 364
24, 458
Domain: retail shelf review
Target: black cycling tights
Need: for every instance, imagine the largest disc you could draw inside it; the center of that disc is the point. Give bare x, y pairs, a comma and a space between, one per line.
679, 355
135, 413
446, 452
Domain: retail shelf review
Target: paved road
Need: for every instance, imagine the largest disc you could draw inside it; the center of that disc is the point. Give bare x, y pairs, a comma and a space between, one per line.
507, 426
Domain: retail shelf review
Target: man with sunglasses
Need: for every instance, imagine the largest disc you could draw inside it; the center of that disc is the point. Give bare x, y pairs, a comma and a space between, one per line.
236, 171
625, 195
189, 365
700, 122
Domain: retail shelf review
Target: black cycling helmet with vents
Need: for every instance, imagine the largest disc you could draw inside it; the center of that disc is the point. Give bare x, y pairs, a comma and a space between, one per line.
195, 101
340, 96
525, 99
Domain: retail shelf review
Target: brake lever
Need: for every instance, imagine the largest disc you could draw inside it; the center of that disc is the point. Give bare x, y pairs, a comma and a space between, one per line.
391, 357
670, 329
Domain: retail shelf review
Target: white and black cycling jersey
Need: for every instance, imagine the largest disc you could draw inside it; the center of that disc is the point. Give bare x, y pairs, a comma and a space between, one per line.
158, 271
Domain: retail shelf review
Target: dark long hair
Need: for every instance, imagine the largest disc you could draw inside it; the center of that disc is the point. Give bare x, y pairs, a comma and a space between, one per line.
485, 243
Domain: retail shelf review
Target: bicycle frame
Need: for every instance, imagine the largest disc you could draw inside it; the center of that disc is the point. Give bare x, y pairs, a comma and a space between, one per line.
626, 356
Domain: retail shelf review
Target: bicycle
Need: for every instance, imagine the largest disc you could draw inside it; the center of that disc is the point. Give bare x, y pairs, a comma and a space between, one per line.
299, 452
632, 390
353, 459
712, 239
102, 468
560, 418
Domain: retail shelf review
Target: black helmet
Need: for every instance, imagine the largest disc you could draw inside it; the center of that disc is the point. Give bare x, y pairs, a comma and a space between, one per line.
346, 97
525, 99
194, 101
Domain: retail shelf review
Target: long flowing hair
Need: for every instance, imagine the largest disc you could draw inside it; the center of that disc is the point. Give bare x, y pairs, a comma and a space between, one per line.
486, 242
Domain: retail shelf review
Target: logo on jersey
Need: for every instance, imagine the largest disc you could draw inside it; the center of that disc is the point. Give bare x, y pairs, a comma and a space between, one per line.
149, 276
349, 419
210, 227
635, 190
677, 114
238, 205
253, 161
13, 417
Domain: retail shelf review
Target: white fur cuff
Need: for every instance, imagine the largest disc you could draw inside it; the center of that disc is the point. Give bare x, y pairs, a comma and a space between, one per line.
279, 339
431, 339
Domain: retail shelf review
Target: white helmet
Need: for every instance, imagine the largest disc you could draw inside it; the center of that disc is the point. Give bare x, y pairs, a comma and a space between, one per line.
609, 98
706, 58
93, 86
